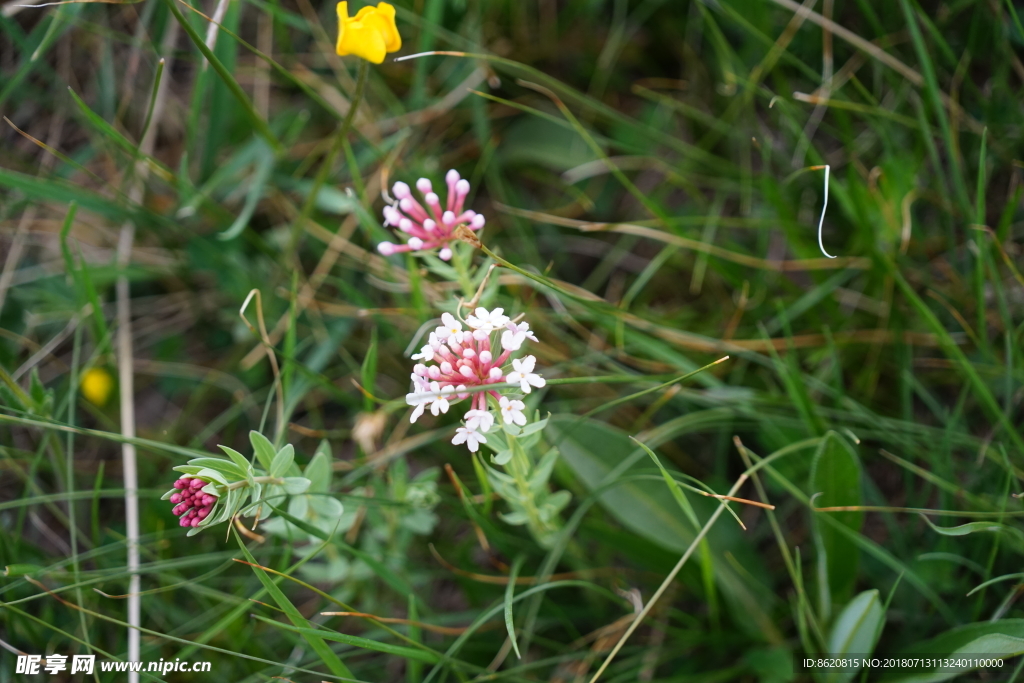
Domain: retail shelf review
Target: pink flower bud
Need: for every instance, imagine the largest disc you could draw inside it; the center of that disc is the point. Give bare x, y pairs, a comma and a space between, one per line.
448, 218
423, 185
180, 484
478, 221
432, 199
452, 176
405, 225
195, 522
495, 373
429, 225
485, 357
416, 243
204, 513
197, 483
445, 254
209, 500
386, 248
401, 190
466, 371
176, 498
183, 522
462, 187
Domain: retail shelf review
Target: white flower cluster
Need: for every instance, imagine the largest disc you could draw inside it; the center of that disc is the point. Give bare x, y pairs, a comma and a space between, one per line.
474, 357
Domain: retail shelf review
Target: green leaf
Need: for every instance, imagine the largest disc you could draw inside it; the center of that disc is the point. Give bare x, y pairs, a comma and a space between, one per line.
1003, 638
264, 450
312, 637
296, 485
542, 471
318, 471
282, 461
855, 632
502, 457
356, 641
597, 452
369, 371
225, 467
260, 125
835, 475
534, 427
257, 181
379, 568
239, 460
112, 134
975, 527
557, 501
510, 593
592, 450
209, 474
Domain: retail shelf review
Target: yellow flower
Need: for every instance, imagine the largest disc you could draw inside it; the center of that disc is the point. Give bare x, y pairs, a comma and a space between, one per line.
97, 385
370, 34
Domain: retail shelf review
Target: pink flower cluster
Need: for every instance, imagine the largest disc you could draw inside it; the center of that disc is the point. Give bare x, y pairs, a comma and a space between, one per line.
431, 227
191, 504
472, 358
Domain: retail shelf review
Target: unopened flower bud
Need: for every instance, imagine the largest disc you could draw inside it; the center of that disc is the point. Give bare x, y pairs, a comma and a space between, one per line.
386, 248
401, 190
423, 185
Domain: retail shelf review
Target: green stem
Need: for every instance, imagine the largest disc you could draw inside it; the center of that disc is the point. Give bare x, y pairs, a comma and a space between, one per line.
461, 265
332, 154
519, 467
276, 481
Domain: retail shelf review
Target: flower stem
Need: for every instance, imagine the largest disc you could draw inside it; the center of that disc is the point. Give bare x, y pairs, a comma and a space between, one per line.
519, 467
332, 154
461, 265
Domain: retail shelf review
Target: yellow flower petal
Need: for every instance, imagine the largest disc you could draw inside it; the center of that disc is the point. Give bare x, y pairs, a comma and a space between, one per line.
370, 34
97, 385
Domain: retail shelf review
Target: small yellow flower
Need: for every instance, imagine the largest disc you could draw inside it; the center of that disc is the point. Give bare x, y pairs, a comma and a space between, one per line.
370, 34
97, 385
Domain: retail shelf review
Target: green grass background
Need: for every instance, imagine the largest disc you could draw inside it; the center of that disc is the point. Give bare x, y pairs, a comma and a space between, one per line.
645, 165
